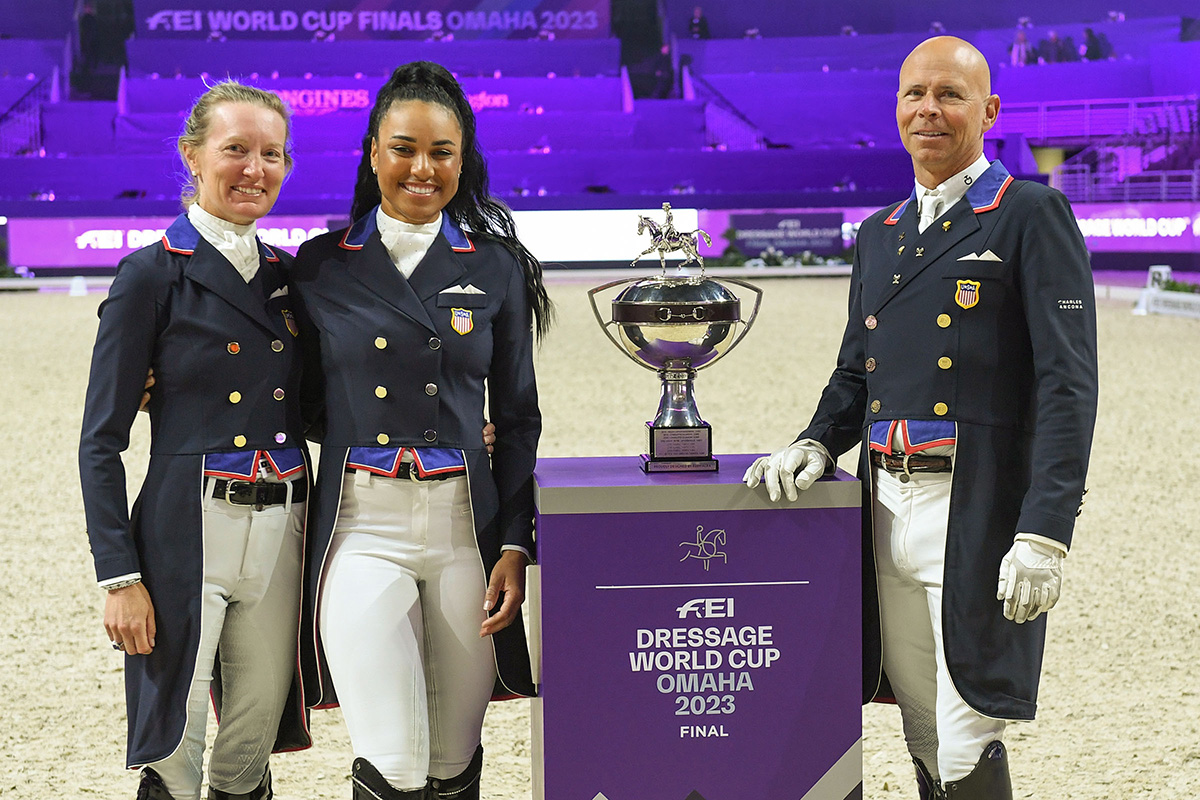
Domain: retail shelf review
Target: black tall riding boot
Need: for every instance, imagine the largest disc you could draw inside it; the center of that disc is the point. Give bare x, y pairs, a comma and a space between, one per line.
927, 787
370, 785
260, 792
152, 787
988, 781
464, 785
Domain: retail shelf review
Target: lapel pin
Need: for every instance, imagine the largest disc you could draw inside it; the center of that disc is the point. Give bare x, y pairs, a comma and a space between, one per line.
896, 279
920, 252
900, 252
946, 225
902, 236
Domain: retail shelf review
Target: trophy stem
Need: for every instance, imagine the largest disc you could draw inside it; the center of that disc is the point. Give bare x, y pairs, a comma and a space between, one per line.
677, 406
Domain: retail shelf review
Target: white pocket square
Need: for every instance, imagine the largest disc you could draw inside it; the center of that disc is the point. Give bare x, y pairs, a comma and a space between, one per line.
470, 288
280, 292
986, 255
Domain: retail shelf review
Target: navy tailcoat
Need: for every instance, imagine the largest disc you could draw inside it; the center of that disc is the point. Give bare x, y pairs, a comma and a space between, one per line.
433, 342
180, 307
987, 319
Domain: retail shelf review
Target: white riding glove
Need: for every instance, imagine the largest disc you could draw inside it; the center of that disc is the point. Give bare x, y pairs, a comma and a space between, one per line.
1030, 579
793, 468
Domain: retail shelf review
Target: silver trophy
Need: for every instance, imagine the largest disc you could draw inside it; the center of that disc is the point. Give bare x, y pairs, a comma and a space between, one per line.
676, 324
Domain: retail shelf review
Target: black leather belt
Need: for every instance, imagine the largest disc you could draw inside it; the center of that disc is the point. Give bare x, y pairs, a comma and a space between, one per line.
408, 472
899, 462
259, 494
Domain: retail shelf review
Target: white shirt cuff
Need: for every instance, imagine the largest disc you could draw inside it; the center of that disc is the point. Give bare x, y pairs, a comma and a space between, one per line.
133, 576
1033, 537
519, 549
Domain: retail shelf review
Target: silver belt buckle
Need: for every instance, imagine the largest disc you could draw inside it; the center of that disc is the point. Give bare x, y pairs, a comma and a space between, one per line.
231, 487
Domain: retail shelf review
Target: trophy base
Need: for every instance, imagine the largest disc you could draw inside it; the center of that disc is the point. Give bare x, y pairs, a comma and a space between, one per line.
679, 449
651, 465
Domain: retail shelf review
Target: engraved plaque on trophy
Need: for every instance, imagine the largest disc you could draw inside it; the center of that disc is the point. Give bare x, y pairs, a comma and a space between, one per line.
675, 325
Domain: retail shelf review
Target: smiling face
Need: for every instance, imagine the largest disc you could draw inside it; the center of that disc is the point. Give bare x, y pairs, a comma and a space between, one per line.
417, 157
241, 164
944, 107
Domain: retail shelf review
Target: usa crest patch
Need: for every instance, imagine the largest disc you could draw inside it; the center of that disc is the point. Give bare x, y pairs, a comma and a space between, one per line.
462, 321
968, 294
289, 319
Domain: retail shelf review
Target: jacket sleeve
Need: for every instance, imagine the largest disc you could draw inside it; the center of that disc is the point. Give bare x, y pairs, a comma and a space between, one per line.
124, 350
513, 407
838, 421
1060, 306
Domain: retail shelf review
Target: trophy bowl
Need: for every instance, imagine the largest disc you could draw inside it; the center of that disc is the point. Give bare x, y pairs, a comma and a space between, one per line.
676, 325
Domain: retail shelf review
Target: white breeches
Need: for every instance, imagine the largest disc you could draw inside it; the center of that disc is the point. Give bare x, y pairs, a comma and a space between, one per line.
401, 608
910, 522
250, 615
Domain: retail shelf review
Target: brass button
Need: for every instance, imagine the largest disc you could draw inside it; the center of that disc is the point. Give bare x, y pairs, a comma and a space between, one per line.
940, 409
381, 392
430, 435
943, 320
235, 397
380, 342
239, 441
871, 322
277, 346
875, 406
435, 343
870, 365
945, 363
278, 394
281, 437
431, 389
234, 348
383, 438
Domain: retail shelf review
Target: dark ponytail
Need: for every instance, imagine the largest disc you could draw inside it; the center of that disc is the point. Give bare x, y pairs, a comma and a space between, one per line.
472, 207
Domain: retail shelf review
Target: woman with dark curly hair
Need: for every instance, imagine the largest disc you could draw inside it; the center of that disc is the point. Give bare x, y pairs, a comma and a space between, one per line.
421, 313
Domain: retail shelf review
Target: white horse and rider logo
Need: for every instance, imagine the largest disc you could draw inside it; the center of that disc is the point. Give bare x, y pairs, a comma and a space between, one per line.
705, 546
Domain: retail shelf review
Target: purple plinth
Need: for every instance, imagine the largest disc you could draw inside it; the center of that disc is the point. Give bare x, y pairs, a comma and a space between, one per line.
698, 642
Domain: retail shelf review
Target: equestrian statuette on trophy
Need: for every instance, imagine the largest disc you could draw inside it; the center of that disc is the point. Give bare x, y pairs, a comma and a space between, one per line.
676, 324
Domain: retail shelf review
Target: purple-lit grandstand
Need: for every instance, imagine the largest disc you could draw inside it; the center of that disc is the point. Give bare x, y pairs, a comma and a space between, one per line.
586, 104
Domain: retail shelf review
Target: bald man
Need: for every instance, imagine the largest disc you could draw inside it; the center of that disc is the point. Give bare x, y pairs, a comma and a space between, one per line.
967, 372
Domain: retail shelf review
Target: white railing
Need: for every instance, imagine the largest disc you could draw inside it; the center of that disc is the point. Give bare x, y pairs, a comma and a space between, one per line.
1076, 119
726, 127
21, 125
1081, 184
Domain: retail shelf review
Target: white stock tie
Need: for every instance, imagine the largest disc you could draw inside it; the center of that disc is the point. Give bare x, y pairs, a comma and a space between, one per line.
931, 206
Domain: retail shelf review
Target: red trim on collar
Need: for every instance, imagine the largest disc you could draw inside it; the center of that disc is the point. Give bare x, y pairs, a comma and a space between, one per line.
470, 249
895, 215
342, 244
270, 253
996, 200
167, 244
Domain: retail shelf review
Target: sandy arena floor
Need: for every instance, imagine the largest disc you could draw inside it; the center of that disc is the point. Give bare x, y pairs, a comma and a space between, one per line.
1119, 707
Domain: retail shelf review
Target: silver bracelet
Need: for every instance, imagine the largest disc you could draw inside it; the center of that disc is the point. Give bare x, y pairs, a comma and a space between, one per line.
112, 587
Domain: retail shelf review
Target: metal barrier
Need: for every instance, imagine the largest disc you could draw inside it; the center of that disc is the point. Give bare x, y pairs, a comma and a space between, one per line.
21, 125
726, 127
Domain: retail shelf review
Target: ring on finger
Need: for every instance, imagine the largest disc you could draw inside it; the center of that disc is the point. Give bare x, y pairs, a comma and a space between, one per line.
118, 645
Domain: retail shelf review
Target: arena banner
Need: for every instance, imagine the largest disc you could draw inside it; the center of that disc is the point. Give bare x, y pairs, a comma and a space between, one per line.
1139, 227
696, 640
321, 96
553, 236
103, 241
374, 19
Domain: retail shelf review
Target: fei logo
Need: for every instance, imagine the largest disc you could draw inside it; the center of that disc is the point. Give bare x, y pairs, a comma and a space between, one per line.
705, 546
707, 608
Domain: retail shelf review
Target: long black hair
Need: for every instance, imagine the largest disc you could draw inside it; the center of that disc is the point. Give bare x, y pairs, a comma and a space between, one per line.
472, 206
